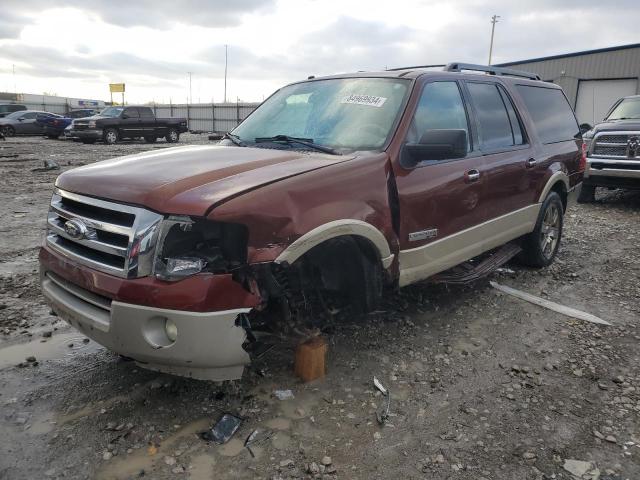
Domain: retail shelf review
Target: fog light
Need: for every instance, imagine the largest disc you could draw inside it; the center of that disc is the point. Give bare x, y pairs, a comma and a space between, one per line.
171, 329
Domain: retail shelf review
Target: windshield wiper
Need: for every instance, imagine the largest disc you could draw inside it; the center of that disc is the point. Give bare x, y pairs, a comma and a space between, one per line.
234, 138
307, 142
626, 118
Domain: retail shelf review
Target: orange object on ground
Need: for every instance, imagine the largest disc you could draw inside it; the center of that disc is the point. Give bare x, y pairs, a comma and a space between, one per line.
310, 359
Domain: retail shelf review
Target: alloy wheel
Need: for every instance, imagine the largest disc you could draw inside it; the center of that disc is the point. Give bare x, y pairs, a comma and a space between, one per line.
550, 231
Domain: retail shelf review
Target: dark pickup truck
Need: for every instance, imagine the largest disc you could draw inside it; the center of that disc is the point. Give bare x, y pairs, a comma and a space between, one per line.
116, 123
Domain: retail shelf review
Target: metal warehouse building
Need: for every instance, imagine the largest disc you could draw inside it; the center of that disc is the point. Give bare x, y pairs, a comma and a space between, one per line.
593, 80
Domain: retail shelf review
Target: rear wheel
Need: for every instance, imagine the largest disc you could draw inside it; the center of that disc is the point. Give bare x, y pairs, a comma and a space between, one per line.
587, 194
110, 136
172, 135
8, 131
539, 248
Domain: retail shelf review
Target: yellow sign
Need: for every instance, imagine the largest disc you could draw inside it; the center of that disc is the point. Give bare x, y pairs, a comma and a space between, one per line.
116, 87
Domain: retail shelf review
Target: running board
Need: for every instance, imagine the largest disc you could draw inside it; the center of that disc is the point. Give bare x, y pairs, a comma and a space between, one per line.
477, 268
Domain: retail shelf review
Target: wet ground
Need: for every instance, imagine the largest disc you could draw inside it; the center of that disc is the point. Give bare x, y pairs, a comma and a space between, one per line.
483, 385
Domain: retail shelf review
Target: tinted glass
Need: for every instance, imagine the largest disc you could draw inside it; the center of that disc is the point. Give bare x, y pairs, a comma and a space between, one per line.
30, 115
145, 112
132, 112
516, 128
493, 120
551, 113
440, 107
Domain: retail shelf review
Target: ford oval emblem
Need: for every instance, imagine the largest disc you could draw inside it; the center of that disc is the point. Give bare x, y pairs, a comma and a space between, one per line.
76, 229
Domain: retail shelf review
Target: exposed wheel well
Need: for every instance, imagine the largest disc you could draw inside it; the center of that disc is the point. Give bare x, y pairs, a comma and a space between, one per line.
561, 189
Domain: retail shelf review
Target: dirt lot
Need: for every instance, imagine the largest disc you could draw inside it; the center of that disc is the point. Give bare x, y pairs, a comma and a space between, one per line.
483, 385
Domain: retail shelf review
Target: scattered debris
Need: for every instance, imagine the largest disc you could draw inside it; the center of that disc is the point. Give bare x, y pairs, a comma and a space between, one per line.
223, 430
48, 165
254, 438
284, 394
310, 359
581, 469
383, 415
556, 307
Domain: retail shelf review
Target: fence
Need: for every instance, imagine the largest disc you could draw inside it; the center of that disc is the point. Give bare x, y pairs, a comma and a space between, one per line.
207, 117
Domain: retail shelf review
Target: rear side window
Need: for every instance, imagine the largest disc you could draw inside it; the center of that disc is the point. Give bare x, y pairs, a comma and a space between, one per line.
131, 112
551, 113
145, 112
497, 122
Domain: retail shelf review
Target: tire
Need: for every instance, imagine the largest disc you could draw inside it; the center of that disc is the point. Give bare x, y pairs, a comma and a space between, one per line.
9, 131
151, 139
110, 136
539, 248
587, 194
173, 136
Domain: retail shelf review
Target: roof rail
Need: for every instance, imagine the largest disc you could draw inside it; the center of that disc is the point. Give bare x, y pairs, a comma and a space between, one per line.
415, 67
458, 67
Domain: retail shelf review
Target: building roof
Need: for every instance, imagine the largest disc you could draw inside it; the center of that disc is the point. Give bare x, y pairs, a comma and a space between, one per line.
567, 55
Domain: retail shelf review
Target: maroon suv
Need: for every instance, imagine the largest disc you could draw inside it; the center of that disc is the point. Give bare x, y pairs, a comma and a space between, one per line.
333, 186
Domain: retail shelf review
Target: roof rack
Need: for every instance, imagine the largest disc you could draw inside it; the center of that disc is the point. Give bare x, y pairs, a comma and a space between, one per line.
458, 67
413, 67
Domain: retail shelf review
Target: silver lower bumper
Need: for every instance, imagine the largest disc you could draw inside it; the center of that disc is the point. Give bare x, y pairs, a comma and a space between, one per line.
208, 345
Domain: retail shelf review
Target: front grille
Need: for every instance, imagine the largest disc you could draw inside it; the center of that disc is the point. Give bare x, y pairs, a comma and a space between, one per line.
110, 237
615, 145
80, 126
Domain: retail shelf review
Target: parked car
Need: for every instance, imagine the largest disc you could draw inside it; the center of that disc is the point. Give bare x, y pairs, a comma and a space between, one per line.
331, 189
7, 108
613, 158
117, 123
53, 127
24, 123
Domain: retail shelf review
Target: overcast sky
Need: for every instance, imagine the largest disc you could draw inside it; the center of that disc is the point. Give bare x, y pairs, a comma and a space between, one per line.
76, 48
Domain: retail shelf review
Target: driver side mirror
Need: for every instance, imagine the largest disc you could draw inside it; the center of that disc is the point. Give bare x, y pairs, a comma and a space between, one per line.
584, 128
437, 145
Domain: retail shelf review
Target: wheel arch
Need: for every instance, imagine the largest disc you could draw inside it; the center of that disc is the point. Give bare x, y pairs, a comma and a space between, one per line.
362, 231
559, 183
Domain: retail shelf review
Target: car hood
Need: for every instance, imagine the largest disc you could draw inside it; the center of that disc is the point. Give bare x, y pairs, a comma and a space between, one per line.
617, 125
190, 180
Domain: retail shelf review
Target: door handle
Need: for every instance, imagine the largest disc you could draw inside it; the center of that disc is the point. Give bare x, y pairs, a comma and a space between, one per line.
472, 176
532, 162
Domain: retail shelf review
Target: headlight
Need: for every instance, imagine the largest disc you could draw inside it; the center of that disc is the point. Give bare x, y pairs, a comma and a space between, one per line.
92, 124
189, 246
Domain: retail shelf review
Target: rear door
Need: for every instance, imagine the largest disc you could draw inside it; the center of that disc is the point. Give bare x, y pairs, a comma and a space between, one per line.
440, 200
130, 123
508, 155
147, 121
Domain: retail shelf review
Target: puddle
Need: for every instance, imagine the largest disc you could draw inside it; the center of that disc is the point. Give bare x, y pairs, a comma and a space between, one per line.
56, 347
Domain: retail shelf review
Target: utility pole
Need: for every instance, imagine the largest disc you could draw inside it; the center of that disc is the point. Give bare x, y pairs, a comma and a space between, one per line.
225, 72
13, 66
189, 86
494, 20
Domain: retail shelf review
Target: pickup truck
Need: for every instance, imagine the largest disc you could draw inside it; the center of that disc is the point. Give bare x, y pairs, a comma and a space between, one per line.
613, 158
332, 189
116, 123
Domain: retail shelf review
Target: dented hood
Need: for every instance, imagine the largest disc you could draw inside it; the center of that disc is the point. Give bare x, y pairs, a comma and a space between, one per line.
190, 180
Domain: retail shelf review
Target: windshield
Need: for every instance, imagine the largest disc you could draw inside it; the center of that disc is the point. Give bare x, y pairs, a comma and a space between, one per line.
627, 108
112, 111
349, 113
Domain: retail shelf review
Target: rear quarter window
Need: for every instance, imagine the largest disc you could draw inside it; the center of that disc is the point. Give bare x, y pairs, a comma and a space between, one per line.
551, 113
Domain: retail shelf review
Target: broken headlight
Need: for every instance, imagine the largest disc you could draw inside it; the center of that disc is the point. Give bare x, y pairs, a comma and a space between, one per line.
188, 246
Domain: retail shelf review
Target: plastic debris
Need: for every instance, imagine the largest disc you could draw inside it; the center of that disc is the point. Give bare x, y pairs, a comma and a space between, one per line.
255, 438
556, 307
223, 430
48, 165
284, 394
383, 415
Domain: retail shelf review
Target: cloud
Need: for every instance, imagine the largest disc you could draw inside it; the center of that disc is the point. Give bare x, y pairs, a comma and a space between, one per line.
11, 25
154, 13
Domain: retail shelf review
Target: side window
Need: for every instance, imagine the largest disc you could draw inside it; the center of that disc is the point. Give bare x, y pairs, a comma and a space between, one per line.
497, 127
516, 128
145, 112
440, 107
29, 116
551, 113
131, 112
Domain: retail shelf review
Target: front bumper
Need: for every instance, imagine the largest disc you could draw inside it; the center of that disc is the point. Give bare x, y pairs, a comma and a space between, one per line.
209, 344
94, 134
612, 173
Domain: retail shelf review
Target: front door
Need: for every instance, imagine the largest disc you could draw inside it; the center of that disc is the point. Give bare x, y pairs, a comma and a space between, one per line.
27, 124
130, 123
440, 200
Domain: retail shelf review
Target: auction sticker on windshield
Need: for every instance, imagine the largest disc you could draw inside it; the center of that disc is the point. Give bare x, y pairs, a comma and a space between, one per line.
370, 100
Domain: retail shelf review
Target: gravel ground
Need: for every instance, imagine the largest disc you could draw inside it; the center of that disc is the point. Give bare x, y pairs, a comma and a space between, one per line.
483, 385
